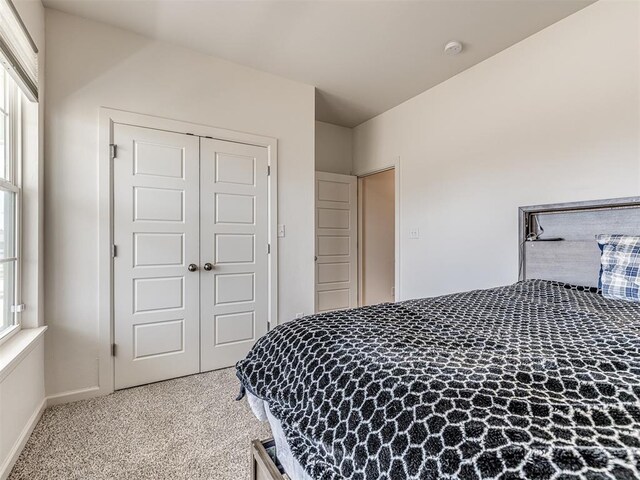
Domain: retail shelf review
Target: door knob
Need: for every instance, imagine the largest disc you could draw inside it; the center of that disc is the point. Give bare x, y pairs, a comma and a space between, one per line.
192, 267
208, 266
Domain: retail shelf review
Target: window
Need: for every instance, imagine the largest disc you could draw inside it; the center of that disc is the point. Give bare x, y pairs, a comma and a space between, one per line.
9, 202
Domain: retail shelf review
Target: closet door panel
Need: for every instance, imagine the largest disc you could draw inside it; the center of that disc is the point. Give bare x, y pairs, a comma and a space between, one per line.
156, 231
234, 241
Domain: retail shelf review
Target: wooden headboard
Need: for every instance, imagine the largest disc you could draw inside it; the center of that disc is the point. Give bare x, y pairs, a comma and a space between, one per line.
576, 258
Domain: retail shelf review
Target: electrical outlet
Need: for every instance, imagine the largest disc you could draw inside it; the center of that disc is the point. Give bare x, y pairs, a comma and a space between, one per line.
281, 231
414, 233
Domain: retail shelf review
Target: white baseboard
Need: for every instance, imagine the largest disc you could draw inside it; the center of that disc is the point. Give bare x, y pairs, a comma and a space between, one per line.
65, 397
74, 396
5, 469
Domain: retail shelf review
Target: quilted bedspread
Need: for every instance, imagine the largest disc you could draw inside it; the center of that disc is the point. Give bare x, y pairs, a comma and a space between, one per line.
536, 380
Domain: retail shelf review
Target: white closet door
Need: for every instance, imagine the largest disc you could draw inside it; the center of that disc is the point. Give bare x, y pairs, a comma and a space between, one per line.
156, 219
336, 241
234, 241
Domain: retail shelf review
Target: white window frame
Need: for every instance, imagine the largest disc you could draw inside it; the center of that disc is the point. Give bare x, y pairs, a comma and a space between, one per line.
13, 102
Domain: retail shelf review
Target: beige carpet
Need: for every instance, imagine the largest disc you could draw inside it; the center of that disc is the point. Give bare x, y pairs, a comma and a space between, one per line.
188, 428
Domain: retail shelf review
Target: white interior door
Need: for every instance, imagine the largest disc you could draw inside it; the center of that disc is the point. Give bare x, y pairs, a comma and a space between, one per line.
234, 242
156, 221
336, 242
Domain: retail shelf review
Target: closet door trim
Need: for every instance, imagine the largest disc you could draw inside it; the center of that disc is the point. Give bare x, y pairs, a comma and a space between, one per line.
108, 118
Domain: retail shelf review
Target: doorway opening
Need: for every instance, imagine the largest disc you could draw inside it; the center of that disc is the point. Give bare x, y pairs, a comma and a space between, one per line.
377, 237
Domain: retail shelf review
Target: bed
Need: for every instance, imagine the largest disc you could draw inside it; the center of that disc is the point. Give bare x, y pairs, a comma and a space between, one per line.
535, 380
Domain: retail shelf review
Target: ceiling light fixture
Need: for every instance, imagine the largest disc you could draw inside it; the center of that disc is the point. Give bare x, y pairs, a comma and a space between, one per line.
453, 47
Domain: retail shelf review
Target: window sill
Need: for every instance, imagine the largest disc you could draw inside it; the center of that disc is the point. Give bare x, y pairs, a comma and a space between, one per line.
17, 347
8, 334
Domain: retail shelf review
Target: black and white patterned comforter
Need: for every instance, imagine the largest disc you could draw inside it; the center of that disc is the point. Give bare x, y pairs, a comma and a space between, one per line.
535, 380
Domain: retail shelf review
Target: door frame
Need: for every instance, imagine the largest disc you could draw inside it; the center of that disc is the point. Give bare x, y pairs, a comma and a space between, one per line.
365, 173
109, 117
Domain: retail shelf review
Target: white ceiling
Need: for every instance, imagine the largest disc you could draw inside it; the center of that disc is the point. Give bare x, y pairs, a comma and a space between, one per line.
363, 56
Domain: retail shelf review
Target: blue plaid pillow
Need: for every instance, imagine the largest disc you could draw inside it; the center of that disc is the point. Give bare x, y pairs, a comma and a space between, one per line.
620, 266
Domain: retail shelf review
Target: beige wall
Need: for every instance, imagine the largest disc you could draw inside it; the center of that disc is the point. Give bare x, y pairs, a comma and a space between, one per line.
90, 65
377, 240
555, 118
22, 399
333, 148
